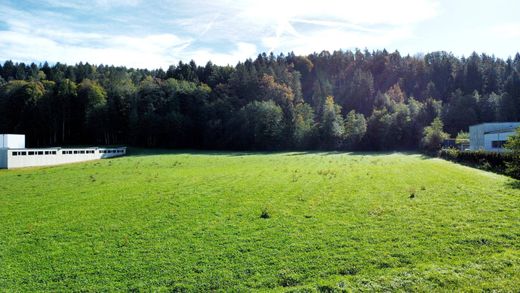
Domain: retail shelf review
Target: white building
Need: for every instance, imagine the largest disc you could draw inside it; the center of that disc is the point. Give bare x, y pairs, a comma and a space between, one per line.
13, 153
491, 136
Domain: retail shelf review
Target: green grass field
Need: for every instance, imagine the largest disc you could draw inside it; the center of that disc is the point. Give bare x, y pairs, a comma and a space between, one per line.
240, 221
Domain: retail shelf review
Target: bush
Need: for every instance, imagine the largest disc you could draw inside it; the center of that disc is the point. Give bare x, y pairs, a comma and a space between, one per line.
433, 136
265, 213
513, 144
489, 161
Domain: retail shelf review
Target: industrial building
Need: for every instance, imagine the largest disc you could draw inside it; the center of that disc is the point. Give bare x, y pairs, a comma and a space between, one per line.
491, 136
13, 153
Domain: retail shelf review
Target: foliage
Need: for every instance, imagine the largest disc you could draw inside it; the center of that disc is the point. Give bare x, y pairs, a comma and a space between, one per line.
193, 106
462, 136
355, 129
433, 135
262, 124
332, 128
489, 161
513, 145
160, 221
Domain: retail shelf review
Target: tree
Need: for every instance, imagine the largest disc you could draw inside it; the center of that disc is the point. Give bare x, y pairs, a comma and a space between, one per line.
262, 125
433, 136
332, 127
304, 126
19, 108
360, 92
92, 101
513, 144
191, 106
66, 93
355, 129
462, 137
459, 103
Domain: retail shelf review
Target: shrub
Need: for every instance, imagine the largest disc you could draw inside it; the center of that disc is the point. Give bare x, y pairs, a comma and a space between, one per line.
433, 136
489, 161
265, 213
287, 278
513, 144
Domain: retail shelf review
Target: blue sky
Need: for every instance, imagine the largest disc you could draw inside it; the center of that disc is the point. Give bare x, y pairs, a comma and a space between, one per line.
153, 34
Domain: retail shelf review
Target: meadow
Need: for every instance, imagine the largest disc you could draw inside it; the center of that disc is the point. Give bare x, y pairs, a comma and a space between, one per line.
221, 221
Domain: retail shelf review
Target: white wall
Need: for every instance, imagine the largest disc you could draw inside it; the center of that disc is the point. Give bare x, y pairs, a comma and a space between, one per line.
18, 158
477, 133
489, 138
3, 158
12, 141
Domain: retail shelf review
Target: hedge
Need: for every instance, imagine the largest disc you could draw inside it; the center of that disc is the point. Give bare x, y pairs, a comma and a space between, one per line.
489, 161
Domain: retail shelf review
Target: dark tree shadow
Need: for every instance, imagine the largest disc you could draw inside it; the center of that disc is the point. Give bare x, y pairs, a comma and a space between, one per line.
513, 183
141, 152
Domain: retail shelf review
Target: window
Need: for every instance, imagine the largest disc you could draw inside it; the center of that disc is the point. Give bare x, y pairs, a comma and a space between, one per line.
498, 144
53, 152
40, 153
47, 152
22, 153
31, 153
15, 153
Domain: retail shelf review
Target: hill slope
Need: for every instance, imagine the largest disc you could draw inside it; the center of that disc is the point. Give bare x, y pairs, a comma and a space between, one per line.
209, 221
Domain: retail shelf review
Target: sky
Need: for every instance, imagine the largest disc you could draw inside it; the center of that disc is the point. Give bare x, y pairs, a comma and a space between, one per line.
155, 34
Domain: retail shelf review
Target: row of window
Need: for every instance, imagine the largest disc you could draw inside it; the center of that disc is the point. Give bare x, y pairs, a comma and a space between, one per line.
498, 144
34, 153
80, 152
111, 151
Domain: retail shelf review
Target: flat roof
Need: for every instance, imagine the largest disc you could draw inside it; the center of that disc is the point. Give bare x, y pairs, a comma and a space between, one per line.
66, 148
501, 131
495, 123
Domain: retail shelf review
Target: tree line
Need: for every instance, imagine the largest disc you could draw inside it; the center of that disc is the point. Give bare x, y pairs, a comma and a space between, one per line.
345, 100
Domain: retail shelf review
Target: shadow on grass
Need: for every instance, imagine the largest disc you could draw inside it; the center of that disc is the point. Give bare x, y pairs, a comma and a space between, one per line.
140, 152
513, 183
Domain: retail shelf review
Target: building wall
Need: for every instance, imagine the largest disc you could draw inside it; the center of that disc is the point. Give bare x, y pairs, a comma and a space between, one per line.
3, 158
18, 158
12, 141
489, 138
476, 133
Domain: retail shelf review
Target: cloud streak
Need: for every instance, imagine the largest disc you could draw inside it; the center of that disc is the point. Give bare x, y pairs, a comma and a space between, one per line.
159, 33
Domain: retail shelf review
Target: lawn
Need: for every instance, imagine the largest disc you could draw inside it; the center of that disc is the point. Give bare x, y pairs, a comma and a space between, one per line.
201, 221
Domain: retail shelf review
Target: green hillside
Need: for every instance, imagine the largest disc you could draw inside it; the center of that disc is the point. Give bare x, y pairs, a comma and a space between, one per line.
253, 221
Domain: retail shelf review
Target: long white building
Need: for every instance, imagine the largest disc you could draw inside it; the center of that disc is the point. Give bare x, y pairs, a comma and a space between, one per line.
13, 153
491, 136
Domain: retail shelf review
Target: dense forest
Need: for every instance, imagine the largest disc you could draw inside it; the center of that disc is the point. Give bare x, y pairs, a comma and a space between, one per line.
348, 100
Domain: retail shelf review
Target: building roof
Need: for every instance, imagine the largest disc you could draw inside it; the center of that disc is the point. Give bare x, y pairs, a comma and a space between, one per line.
497, 123
511, 129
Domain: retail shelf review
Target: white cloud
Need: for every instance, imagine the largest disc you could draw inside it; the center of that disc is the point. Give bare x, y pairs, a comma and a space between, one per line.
506, 30
160, 33
88, 4
369, 12
306, 25
240, 53
333, 39
152, 51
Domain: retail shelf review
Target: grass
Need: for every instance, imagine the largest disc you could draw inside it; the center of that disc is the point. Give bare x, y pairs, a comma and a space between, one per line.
239, 221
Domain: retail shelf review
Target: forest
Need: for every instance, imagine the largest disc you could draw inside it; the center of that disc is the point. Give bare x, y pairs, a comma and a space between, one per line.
345, 100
